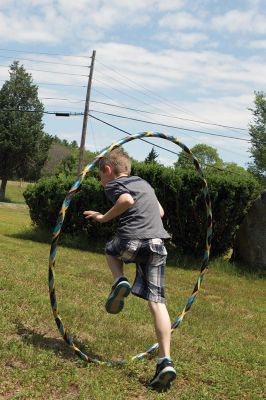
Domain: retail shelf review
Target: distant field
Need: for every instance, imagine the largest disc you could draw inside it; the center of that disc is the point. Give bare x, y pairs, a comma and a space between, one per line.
219, 349
14, 191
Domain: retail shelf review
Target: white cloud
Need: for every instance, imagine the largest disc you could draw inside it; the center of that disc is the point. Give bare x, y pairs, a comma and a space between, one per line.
180, 21
29, 29
170, 5
258, 44
171, 68
182, 40
217, 85
233, 21
54, 21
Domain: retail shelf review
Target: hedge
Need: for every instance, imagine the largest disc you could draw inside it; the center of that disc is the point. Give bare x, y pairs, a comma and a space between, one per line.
179, 192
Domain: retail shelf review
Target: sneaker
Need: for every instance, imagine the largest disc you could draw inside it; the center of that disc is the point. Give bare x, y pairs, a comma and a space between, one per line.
164, 375
115, 301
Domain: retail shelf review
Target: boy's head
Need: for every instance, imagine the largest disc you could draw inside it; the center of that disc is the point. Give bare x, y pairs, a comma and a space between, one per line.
113, 165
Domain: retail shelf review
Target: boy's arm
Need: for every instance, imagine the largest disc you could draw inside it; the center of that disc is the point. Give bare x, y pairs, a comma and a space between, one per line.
123, 203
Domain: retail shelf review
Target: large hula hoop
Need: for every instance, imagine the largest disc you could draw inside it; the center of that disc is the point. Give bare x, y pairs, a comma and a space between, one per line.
56, 232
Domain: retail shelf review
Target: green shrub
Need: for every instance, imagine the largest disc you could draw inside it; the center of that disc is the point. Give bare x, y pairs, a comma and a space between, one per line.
179, 192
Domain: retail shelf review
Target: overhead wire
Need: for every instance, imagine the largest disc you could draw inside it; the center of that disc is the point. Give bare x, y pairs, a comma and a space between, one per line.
48, 62
120, 91
122, 130
154, 94
62, 99
156, 107
116, 72
158, 123
52, 84
135, 109
169, 126
161, 147
48, 54
66, 114
167, 115
51, 72
70, 114
190, 136
59, 84
136, 84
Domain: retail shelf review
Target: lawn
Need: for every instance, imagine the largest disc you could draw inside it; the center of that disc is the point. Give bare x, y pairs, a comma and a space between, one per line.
219, 349
14, 191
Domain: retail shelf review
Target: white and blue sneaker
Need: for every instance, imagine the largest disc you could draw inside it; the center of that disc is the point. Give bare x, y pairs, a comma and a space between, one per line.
165, 374
115, 301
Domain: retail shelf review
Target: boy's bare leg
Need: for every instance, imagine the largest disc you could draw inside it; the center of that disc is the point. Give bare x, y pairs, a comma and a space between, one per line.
115, 265
162, 326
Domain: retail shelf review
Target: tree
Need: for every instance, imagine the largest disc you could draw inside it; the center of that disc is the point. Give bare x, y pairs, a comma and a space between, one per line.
23, 143
151, 157
257, 132
56, 155
207, 155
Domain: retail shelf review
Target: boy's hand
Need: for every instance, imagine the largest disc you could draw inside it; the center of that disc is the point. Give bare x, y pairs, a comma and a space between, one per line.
94, 215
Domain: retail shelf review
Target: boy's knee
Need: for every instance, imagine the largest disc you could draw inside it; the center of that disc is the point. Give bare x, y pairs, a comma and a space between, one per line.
154, 306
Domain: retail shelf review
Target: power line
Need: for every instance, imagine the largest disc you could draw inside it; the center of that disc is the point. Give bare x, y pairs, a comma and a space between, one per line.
193, 137
47, 62
141, 86
51, 84
156, 107
120, 91
58, 113
75, 114
122, 130
137, 110
62, 99
154, 94
58, 84
169, 126
132, 119
51, 72
125, 84
48, 54
163, 148
167, 115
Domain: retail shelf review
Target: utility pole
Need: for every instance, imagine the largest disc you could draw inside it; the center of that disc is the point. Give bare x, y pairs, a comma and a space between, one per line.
85, 117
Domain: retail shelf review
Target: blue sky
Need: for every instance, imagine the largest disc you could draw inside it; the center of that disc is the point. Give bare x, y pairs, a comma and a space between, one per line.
196, 59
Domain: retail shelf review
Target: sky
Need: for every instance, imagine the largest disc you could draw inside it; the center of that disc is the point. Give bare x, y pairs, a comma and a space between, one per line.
193, 65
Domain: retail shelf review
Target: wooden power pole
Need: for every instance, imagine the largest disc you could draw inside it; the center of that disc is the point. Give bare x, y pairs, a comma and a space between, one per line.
85, 117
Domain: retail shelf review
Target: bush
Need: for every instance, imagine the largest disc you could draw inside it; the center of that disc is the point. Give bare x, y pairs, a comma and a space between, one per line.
179, 192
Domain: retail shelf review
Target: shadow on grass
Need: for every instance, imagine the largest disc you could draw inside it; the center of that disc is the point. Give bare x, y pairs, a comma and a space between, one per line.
58, 346
61, 349
6, 200
80, 242
175, 258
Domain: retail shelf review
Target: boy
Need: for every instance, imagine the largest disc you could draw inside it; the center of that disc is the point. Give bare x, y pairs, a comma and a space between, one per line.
139, 239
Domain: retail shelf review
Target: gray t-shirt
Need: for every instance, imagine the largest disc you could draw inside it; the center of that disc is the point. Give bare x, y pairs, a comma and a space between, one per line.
142, 220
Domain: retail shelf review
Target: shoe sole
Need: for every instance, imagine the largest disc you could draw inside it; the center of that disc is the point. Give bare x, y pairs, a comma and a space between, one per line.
164, 379
115, 303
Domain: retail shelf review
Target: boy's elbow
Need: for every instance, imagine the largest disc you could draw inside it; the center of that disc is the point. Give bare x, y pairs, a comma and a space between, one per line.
161, 210
130, 201
127, 200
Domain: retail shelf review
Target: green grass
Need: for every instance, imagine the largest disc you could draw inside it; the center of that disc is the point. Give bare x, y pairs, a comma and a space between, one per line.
14, 192
219, 349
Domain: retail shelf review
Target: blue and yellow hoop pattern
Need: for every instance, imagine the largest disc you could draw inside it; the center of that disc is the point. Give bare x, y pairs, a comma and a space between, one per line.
56, 233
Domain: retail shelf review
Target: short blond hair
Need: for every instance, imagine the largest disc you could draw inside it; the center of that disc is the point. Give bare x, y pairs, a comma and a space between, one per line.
118, 160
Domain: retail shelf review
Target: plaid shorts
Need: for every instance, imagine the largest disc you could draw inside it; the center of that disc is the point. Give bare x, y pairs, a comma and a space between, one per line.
149, 255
